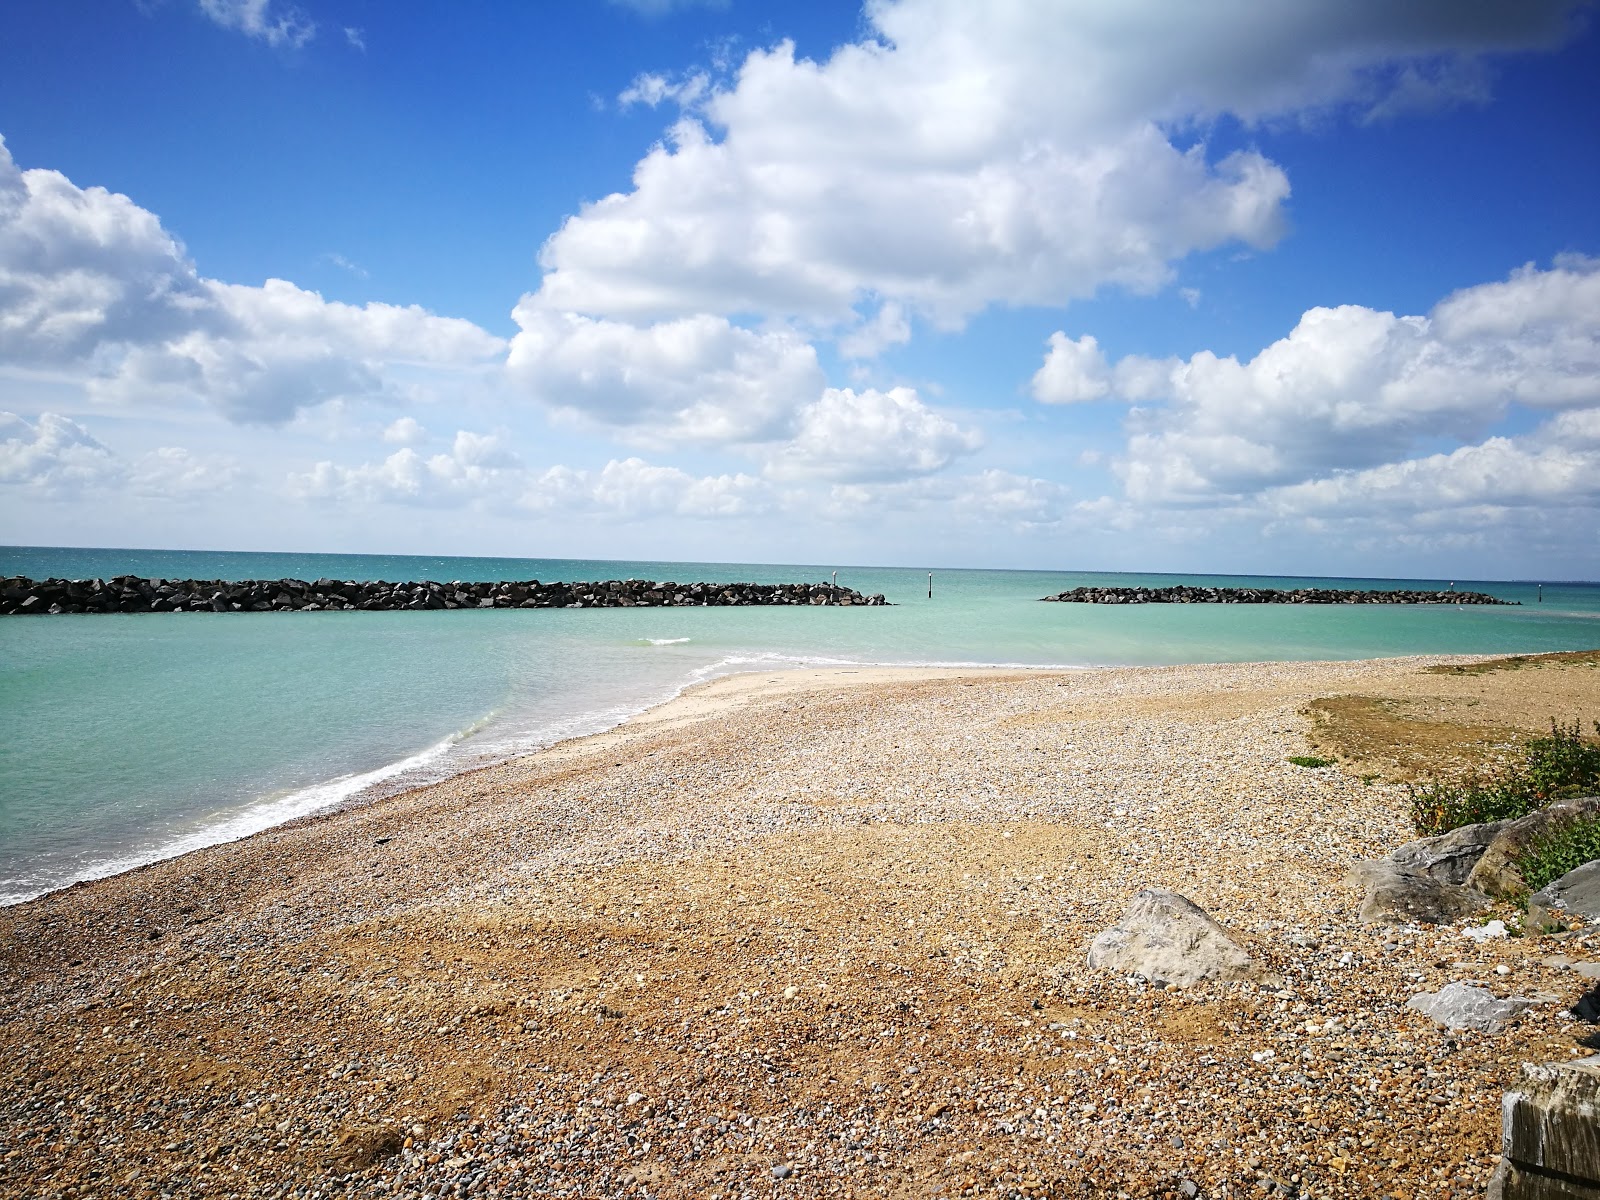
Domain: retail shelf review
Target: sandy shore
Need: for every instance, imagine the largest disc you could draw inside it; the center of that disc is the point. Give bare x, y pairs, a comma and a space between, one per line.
800, 934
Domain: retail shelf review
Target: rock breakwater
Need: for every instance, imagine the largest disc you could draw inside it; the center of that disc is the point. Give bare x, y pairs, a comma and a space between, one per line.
1210, 595
20, 596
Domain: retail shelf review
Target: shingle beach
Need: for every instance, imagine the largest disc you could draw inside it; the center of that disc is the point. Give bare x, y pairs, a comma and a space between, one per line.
814, 933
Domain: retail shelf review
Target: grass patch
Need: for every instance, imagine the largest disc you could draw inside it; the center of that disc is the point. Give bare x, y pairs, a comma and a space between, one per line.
1564, 849
1563, 764
1310, 761
1407, 737
1516, 662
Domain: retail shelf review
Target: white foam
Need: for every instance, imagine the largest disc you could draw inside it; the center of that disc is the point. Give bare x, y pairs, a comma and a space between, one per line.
263, 814
443, 758
665, 641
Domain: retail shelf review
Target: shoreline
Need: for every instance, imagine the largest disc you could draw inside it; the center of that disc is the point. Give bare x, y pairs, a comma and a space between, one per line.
412, 771
830, 920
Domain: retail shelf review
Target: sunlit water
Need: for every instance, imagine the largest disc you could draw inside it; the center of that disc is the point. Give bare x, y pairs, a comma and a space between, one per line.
133, 737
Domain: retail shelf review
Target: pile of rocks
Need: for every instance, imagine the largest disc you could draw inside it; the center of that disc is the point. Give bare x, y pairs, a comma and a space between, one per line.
20, 596
1441, 879
1183, 594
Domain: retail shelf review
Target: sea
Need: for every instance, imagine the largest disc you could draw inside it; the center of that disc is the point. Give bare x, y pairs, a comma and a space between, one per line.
131, 738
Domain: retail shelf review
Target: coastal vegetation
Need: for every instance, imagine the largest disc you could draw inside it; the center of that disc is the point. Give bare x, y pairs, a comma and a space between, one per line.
1562, 764
1565, 848
1310, 761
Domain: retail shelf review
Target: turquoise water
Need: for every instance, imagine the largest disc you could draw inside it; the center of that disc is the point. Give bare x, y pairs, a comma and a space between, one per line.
133, 737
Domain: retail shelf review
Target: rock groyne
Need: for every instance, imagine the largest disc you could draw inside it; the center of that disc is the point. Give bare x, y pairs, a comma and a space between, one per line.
20, 596
1210, 595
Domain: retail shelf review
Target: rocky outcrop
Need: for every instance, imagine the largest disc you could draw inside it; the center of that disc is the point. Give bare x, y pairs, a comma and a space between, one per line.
1228, 595
1575, 894
1449, 857
1550, 1134
1462, 1006
1424, 881
1496, 872
20, 596
1168, 938
1400, 896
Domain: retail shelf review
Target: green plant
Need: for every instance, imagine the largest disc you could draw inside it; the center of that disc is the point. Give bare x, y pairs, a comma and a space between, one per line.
1439, 805
1565, 848
1563, 764
1551, 768
1310, 760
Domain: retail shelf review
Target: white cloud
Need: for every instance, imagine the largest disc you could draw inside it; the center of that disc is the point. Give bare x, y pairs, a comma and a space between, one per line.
889, 327
870, 436
405, 431
172, 472
284, 25
1073, 372
1007, 497
81, 268
632, 489
1498, 473
356, 38
56, 456
1018, 152
652, 90
91, 282
1349, 388
697, 379
477, 466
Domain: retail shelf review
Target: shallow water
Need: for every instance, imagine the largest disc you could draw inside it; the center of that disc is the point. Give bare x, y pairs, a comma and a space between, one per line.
134, 737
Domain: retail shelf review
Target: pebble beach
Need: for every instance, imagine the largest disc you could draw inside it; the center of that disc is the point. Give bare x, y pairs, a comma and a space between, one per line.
804, 933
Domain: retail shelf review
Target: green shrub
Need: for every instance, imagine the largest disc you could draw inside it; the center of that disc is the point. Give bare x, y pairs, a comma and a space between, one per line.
1438, 806
1310, 760
1563, 849
1563, 764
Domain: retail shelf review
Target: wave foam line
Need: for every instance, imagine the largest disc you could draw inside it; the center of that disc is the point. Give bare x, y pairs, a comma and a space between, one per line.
260, 815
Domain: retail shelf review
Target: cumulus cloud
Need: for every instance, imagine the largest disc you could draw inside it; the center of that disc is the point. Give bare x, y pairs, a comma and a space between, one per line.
869, 436
962, 155
276, 25
632, 489
90, 281
1349, 388
696, 379
57, 456
889, 327
476, 466
480, 469
1498, 473
54, 455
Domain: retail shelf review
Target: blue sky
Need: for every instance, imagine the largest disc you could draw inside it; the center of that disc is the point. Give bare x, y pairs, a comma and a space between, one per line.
1269, 287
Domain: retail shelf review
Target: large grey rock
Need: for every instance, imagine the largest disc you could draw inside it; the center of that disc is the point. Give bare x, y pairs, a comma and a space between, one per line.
1168, 938
1401, 896
1462, 1006
1575, 894
1450, 857
1550, 1134
1496, 872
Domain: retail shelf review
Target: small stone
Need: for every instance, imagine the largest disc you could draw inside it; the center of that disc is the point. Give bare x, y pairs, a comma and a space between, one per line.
782, 1171
790, 992
1462, 1006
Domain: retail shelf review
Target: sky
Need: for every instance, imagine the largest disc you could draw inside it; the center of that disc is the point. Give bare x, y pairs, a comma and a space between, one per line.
1265, 286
